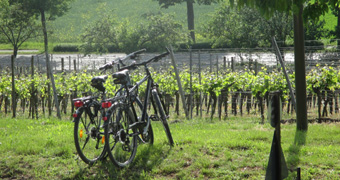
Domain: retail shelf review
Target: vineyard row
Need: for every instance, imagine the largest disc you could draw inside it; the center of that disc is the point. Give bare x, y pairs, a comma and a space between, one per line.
211, 92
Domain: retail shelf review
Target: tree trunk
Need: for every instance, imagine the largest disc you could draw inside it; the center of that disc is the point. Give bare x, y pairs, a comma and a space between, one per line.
190, 16
15, 50
49, 72
300, 75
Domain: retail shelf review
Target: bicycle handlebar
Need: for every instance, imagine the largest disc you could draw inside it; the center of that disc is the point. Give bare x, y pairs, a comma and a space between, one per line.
156, 58
120, 60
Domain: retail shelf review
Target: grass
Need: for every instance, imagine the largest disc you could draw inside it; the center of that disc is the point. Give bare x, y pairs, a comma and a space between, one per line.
236, 148
83, 12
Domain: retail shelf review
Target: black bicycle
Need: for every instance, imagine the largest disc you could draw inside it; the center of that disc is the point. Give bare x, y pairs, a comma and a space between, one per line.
124, 123
88, 124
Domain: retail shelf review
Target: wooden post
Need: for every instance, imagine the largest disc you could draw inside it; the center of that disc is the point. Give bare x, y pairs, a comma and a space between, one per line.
33, 94
69, 63
232, 64
191, 93
39, 70
224, 63
75, 65
256, 68
210, 62
13, 88
179, 82
78, 58
217, 65
276, 48
62, 65
200, 80
49, 72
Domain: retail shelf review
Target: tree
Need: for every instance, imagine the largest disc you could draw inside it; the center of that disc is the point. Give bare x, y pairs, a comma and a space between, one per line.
54, 9
157, 31
299, 9
336, 31
315, 31
246, 27
101, 35
16, 25
190, 11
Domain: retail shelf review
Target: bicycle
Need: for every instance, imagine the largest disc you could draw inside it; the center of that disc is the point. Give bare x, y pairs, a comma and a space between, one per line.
123, 127
88, 130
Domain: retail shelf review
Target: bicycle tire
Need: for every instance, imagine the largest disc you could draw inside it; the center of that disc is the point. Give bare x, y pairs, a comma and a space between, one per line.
149, 136
163, 117
120, 147
88, 137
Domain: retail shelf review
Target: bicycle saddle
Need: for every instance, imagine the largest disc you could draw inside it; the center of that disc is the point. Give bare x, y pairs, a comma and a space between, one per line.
120, 77
98, 82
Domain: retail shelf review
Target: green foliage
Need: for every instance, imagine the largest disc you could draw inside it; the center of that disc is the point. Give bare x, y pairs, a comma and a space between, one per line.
246, 27
156, 32
324, 78
315, 31
168, 3
65, 48
54, 8
16, 24
101, 34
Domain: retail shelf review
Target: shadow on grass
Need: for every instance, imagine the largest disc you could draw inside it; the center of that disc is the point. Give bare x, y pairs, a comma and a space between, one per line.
147, 158
293, 158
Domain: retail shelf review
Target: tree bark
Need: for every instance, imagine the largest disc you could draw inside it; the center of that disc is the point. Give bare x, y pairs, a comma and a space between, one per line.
15, 51
190, 16
300, 75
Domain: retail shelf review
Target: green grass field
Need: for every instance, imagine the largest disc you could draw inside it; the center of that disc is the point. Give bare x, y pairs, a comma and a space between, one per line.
84, 12
236, 148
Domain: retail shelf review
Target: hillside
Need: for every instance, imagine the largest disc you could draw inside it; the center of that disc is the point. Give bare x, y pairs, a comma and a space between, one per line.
83, 12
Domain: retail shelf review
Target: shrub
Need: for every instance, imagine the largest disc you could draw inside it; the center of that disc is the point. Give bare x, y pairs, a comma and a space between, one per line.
65, 48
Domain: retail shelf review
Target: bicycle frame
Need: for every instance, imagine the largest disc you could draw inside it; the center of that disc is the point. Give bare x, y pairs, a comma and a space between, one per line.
149, 85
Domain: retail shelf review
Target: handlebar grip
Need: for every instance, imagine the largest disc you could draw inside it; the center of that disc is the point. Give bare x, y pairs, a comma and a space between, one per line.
134, 54
140, 51
157, 58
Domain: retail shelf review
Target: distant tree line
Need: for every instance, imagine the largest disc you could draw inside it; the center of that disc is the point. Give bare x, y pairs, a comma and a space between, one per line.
228, 28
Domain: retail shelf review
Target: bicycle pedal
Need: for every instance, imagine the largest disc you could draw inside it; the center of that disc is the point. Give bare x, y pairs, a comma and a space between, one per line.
140, 139
137, 125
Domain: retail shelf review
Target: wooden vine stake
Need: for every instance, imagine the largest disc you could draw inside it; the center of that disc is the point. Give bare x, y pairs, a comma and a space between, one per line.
34, 109
191, 92
179, 82
278, 54
200, 80
49, 73
13, 87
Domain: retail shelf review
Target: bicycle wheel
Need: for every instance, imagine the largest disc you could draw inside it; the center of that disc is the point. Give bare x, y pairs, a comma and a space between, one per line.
88, 137
163, 117
120, 142
148, 136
